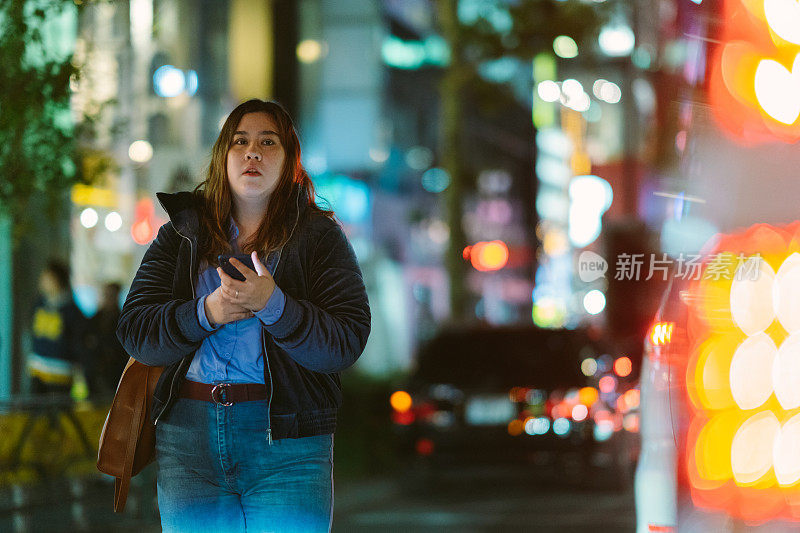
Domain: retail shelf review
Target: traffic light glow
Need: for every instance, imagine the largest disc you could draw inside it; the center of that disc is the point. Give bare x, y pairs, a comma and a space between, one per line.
754, 87
741, 378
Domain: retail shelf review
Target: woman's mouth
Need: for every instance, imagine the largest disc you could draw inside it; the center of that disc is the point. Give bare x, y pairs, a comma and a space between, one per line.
251, 172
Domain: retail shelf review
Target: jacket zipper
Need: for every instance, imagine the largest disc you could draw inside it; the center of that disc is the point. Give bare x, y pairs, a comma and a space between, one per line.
269, 402
263, 339
191, 282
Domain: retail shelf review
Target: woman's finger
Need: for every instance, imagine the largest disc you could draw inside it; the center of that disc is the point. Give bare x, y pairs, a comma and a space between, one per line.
228, 281
261, 270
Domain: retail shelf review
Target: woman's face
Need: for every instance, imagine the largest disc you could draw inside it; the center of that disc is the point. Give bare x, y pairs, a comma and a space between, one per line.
255, 159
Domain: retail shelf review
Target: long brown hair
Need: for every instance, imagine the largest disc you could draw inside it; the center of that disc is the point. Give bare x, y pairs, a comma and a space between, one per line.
215, 197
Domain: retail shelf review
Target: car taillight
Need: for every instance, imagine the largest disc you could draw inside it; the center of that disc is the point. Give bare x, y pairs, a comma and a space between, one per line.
404, 419
400, 401
425, 411
742, 452
424, 446
661, 333
401, 408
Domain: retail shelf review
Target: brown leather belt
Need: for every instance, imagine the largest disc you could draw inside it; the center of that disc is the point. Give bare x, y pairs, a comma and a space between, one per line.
223, 393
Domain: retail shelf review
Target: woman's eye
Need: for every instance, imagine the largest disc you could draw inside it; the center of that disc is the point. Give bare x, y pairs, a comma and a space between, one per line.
269, 142
239, 141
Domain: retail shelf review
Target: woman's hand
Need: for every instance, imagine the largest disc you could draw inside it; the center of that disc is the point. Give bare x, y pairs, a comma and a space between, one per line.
220, 311
251, 294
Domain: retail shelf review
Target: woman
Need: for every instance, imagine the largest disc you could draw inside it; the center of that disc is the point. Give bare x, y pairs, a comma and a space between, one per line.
246, 407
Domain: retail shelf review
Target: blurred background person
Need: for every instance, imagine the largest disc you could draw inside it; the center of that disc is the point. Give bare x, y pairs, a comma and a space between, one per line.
105, 357
57, 332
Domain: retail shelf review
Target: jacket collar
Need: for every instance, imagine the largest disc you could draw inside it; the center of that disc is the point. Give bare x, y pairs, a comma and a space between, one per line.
182, 209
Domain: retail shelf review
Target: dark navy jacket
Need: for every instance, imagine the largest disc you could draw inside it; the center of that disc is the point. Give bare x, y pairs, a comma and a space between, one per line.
323, 328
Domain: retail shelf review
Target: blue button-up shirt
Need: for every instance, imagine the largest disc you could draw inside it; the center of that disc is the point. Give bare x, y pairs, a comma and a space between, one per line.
233, 353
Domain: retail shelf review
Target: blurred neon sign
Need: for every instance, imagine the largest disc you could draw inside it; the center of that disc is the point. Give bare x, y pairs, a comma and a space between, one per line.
744, 335
755, 80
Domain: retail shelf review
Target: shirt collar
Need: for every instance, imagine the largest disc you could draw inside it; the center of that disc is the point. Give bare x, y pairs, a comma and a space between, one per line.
233, 229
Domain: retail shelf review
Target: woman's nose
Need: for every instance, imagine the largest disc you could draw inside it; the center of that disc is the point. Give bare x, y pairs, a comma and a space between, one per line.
253, 155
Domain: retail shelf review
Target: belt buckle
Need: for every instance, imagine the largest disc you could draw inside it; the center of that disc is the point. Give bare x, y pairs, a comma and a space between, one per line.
219, 393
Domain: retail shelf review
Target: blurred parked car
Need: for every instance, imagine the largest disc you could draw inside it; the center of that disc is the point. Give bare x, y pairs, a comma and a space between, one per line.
505, 394
662, 412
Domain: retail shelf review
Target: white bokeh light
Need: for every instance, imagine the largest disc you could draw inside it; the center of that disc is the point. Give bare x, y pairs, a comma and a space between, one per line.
610, 92
572, 88
548, 91
776, 89
751, 296
581, 103
751, 371
783, 17
309, 50
88, 218
786, 293
590, 196
786, 372
594, 302
113, 221
580, 412
597, 87
617, 40
786, 460
140, 151
752, 447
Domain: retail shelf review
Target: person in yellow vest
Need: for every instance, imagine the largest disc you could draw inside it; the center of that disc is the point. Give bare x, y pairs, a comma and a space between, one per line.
57, 331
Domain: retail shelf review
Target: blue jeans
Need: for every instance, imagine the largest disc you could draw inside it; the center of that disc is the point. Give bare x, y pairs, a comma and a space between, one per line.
218, 473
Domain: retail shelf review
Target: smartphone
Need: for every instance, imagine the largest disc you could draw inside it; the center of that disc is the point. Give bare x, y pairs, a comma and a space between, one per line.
229, 269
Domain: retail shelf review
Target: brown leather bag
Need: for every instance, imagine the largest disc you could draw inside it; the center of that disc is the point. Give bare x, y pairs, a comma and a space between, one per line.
127, 443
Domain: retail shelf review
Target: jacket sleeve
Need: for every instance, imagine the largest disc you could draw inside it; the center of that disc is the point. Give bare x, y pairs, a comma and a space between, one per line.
154, 327
327, 332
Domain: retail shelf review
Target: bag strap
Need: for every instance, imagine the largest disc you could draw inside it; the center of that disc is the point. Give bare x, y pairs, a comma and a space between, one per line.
123, 483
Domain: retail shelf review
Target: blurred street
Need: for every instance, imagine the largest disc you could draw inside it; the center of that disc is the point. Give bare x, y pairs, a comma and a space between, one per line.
375, 490
478, 500
473, 500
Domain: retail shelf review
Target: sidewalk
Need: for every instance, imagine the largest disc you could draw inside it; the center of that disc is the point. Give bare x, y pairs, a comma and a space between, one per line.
86, 504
